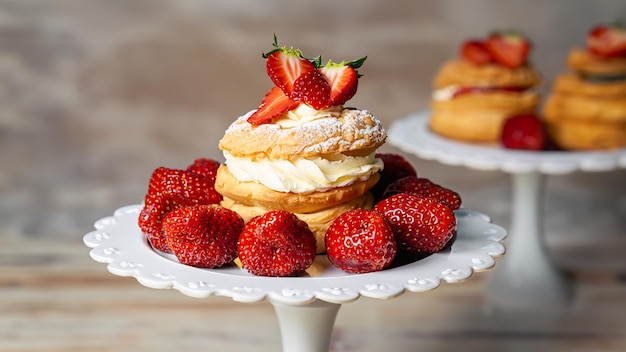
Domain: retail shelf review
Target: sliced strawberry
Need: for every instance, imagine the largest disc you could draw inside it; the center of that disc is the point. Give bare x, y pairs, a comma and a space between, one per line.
273, 105
524, 132
276, 243
475, 52
204, 167
284, 66
426, 188
360, 241
419, 224
607, 40
313, 89
203, 236
395, 167
509, 49
343, 79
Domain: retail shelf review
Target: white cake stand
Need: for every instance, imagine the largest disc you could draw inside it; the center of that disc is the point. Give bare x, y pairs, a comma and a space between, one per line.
520, 282
306, 306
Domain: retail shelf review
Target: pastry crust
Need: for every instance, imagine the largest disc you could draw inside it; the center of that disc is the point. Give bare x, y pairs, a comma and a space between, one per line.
573, 134
318, 221
584, 62
467, 74
479, 117
255, 194
576, 85
587, 108
354, 132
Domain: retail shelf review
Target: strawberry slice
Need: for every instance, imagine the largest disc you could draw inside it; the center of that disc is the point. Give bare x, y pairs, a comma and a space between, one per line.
475, 52
273, 105
284, 66
343, 79
509, 49
313, 89
607, 40
492, 89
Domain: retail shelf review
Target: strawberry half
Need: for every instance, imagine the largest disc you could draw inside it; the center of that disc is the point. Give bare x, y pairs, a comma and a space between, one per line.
607, 40
203, 236
395, 167
284, 66
475, 52
419, 224
343, 79
312, 88
360, 241
273, 105
509, 49
425, 188
276, 243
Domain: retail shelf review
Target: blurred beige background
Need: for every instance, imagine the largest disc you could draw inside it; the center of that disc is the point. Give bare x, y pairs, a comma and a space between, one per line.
96, 94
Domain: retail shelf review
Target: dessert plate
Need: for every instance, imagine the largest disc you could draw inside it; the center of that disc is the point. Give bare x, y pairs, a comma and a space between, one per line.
412, 135
118, 241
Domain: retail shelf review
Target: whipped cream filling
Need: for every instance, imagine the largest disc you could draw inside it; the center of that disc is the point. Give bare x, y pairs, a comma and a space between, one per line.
303, 175
305, 113
447, 93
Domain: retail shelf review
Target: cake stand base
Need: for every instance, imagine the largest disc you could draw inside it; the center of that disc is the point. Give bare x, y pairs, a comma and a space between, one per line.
306, 328
527, 278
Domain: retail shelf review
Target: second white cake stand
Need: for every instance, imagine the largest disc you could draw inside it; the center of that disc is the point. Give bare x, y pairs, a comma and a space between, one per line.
306, 307
519, 283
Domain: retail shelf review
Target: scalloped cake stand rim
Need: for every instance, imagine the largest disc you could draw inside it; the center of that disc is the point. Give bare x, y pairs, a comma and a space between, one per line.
118, 241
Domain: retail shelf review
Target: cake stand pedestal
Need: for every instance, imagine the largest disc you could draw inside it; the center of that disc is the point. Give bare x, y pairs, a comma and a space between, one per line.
306, 307
519, 283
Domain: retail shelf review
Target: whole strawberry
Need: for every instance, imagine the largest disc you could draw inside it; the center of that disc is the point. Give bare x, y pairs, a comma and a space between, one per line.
276, 243
424, 187
203, 236
395, 167
524, 132
360, 241
204, 167
156, 207
419, 224
170, 189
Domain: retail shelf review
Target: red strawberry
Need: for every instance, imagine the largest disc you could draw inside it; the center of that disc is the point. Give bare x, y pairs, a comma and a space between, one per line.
396, 167
156, 207
508, 49
524, 132
284, 66
426, 188
274, 104
607, 40
343, 79
204, 167
420, 225
360, 241
203, 236
312, 88
170, 189
276, 243
475, 52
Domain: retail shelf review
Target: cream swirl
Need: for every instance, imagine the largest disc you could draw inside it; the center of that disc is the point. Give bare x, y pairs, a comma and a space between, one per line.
302, 175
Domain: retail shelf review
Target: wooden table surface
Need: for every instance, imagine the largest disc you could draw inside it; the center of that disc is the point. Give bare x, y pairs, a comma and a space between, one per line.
95, 95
